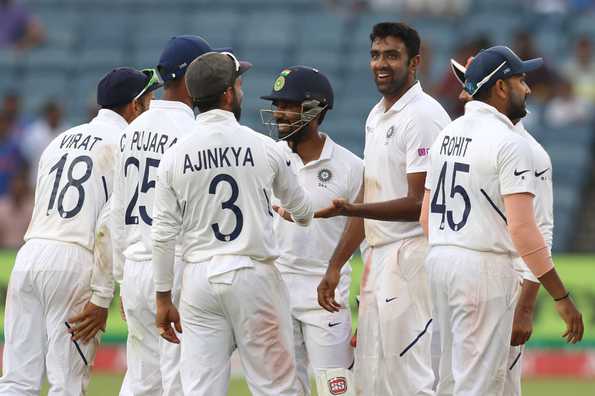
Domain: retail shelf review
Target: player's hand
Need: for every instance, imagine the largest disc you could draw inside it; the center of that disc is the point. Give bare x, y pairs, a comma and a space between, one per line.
326, 290
167, 314
283, 213
339, 207
522, 326
85, 325
573, 318
122, 312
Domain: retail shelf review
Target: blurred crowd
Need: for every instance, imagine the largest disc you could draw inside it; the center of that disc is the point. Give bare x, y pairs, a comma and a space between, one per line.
562, 94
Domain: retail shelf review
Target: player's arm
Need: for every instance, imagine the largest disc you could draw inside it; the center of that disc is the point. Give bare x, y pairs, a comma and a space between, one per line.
118, 227
425, 212
522, 325
401, 209
167, 219
94, 316
286, 187
351, 238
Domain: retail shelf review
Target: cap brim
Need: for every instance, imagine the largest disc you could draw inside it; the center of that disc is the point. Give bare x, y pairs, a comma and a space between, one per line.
532, 64
458, 70
244, 66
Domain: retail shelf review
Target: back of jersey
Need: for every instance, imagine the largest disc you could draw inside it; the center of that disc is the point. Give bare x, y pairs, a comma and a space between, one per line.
475, 161
74, 181
142, 144
217, 183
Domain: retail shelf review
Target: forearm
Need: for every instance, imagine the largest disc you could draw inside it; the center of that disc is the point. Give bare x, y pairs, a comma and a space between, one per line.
353, 235
402, 209
528, 296
163, 264
102, 279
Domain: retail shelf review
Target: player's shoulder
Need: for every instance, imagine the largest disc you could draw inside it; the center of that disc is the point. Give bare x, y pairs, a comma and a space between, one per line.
344, 155
427, 106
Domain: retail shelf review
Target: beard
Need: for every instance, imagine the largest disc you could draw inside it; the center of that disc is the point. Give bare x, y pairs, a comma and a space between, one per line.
517, 107
236, 106
394, 86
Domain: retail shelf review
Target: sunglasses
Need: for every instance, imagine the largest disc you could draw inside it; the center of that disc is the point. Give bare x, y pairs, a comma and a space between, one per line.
235, 60
473, 88
154, 82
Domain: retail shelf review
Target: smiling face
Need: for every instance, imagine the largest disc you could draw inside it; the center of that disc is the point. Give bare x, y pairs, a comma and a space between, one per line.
390, 64
287, 114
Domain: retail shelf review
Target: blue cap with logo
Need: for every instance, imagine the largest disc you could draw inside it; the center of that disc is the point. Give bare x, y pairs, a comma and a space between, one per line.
496, 63
179, 52
120, 86
300, 83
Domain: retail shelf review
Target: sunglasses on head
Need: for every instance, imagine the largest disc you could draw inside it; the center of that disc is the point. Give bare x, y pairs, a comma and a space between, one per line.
153, 83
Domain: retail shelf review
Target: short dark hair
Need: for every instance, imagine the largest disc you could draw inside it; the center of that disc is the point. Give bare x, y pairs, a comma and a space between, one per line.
400, 30
209, 104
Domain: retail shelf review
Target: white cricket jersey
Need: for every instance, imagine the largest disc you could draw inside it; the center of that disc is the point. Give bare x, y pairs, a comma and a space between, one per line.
215, 186
338, 173
475, 161
543, 203
142, 144
397, 143
74, 181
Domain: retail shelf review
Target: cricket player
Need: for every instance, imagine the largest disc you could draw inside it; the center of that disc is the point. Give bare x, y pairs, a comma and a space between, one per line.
301, 97
56, 285
393, 346
543, 204
478, 213
152, 363
215, 188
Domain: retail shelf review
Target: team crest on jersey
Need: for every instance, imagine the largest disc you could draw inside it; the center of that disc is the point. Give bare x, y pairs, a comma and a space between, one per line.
389, 134
324, 176
337, 385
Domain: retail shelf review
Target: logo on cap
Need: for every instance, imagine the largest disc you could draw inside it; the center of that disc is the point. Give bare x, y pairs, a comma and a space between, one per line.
279, 83
337, 385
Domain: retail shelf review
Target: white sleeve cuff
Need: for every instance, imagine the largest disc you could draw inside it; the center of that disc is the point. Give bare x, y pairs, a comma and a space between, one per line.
103, 302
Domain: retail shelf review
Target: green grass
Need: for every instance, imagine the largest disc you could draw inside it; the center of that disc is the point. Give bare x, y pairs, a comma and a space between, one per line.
109, 384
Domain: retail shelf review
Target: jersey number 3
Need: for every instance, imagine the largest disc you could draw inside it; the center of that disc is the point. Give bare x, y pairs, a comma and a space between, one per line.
230, 205
439, 200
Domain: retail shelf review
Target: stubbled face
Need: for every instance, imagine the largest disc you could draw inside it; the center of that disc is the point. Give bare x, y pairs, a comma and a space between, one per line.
142, 104
389, 63
238, 96
518, 91
286, 115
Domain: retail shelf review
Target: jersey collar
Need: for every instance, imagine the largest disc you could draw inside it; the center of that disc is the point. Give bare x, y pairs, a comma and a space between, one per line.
171, 105
111, 117
404, 100
476, 106
217, 115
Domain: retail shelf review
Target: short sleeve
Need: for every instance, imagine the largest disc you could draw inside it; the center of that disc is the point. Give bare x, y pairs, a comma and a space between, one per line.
418, 138
515, 167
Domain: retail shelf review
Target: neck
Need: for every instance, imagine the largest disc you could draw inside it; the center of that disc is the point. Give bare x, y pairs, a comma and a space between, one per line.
390, 100
174, 96
310, 147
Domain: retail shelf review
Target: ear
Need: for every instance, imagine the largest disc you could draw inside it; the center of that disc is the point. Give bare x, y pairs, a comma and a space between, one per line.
414, 62
502, 89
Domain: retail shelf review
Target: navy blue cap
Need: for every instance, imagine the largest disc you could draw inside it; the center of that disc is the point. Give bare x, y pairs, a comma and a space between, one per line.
300, 83
496, 63
120, 87
179, 52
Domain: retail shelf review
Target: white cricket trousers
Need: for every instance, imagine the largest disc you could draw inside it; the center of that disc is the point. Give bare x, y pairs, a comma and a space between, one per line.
393, 357
247, 309
322, 339
474, 296
49, 283
152, 362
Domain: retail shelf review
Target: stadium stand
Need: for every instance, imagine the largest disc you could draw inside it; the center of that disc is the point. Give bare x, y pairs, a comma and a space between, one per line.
87, 39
